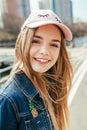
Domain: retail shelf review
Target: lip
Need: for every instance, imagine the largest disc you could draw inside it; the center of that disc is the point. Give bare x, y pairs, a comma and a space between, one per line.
42, 60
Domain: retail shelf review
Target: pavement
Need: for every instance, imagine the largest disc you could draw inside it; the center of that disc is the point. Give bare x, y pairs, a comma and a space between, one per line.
78, 95
78, 107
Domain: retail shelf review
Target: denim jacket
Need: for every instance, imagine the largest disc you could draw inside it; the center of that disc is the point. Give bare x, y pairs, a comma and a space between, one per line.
15, 113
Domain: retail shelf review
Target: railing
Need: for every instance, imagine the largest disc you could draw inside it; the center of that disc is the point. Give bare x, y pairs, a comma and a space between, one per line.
7, 61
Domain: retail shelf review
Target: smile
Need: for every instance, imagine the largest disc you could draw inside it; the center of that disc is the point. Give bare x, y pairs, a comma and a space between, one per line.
42, 60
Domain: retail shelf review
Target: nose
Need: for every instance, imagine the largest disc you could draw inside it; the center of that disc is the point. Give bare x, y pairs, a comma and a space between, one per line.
44, 50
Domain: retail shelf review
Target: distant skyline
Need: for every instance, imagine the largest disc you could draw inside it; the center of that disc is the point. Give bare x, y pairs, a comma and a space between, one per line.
80, 10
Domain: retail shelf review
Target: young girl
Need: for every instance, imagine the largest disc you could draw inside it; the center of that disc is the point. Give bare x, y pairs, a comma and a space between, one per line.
36, 93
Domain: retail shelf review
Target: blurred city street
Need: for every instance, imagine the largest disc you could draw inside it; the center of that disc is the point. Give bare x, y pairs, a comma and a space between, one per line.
78, 95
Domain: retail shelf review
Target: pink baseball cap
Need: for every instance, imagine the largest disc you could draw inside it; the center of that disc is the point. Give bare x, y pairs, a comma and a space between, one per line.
44, 17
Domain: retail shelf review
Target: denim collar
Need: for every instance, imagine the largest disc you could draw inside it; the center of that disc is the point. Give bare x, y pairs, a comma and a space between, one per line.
25, 85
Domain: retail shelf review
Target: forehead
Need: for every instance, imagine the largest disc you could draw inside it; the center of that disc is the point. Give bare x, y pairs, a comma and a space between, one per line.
48, 29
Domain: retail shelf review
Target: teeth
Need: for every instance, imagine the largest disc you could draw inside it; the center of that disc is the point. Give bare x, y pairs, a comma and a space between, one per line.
42, 60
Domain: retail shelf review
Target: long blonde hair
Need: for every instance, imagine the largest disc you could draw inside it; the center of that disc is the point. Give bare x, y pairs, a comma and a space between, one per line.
54, 85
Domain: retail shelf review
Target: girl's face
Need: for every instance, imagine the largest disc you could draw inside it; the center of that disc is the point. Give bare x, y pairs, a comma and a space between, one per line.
45, 48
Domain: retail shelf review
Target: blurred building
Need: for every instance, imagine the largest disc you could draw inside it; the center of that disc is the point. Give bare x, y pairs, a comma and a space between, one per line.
1, 11
39, 4
19, 8
64, 9
16, 8
22, 8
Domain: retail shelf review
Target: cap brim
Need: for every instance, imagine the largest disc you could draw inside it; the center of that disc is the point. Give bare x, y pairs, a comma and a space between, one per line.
64, 28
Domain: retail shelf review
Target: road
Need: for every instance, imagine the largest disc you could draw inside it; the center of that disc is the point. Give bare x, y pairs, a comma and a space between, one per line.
78, 95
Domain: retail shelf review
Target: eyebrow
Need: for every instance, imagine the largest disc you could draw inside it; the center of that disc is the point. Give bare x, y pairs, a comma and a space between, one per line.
36, 36
54, 40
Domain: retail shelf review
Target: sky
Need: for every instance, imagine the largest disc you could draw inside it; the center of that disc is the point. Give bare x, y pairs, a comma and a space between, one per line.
80, 10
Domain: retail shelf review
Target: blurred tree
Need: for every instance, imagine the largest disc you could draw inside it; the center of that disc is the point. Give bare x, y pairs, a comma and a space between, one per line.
78, 29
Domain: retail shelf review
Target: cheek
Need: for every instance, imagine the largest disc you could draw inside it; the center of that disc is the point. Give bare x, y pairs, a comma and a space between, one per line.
32, 50
56, 55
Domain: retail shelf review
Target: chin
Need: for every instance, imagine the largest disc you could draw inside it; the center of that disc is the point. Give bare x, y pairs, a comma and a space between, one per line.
40, 71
